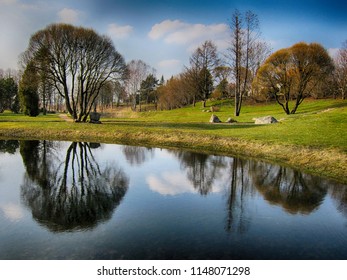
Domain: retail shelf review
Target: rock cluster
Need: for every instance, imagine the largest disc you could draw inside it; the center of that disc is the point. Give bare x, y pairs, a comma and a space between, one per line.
215, 119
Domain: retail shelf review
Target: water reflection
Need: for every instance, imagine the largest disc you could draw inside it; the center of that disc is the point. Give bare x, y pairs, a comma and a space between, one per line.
9, 146
137, 155
339, 193
201, 169
182, 205
294, 191
70, 194
238, 195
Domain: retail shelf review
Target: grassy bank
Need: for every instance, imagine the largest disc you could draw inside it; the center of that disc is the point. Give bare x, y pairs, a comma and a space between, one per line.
313, 140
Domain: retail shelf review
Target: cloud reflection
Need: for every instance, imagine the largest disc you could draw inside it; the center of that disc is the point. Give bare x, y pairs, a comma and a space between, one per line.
12, 211
170, 183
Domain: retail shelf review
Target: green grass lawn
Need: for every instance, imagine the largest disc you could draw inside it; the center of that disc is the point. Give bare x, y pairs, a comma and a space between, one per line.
313, 139
318, 123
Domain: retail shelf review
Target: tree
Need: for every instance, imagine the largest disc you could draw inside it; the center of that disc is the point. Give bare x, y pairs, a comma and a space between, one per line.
203, 63
8, 94
105, 98
205, 83
221, 90
138, 70
340, 73
78, 61
190, 81
147, 89
221, 73
245, 54
28, 92
294, 73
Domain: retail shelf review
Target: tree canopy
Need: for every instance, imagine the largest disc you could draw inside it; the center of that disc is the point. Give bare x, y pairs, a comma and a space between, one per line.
8, 94
294, 73
78, 62
28, 92
203, 63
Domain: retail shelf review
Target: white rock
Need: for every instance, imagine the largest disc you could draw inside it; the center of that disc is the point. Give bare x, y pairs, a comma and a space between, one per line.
265, 120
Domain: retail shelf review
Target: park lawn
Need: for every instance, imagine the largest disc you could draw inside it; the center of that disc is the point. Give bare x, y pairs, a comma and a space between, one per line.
314, 139
318, 123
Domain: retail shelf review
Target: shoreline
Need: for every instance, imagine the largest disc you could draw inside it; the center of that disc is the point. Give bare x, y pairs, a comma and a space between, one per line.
330, 163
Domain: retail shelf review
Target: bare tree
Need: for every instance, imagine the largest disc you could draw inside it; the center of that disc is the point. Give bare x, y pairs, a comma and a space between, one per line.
138, 70
78, 61
245, 53
203, 63
341, 70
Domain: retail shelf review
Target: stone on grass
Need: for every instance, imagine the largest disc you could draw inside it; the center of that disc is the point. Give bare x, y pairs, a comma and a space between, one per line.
230, 120
95, 117
265, 120
214, 119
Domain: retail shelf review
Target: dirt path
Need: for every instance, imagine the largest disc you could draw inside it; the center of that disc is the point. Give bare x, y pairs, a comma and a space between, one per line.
65, 117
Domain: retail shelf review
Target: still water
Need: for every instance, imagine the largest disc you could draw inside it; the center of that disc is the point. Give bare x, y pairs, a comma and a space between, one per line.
61, 200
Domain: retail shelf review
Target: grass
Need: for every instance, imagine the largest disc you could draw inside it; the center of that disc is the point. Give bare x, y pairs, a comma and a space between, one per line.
314, 139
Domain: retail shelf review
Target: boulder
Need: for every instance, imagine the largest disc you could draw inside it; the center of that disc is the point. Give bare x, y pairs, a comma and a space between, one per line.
265, 120
95, 117
214, 119
214, 109
230, 120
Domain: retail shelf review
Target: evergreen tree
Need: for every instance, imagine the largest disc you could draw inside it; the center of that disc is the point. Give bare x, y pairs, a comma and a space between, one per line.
28, 92
8, 93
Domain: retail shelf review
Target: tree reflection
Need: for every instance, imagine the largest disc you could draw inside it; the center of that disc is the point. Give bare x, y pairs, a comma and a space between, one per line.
294, 191
39, 158
137, 155
205, 170
72, 194
9, 146
339, 193
238, 195
202, 169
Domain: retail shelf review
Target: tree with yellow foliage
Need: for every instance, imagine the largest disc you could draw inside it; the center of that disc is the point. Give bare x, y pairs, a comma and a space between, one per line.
294, 73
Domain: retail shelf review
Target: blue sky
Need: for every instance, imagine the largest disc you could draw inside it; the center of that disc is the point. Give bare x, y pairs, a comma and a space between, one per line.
164, 33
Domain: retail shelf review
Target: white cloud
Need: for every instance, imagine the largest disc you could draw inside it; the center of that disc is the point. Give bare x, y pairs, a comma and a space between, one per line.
67, 15
119, 32
191, 35
167, 26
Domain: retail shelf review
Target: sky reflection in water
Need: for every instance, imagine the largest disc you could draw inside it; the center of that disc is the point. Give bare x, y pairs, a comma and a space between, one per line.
61, 200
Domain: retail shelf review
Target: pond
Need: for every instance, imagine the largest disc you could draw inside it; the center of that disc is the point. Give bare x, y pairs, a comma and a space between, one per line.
61, 200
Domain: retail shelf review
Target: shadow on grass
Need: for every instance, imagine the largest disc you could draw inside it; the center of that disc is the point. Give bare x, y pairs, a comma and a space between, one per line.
31, 121
317, 108
192, 126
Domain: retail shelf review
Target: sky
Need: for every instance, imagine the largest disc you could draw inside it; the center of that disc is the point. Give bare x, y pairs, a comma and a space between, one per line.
165, 33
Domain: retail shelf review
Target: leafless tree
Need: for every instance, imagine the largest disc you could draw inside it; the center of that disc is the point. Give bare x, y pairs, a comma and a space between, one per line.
138, 70
203, 63
245, 53
341, 70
